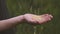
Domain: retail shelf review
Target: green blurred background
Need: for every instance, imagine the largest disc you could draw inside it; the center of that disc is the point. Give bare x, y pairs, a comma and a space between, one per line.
19, 7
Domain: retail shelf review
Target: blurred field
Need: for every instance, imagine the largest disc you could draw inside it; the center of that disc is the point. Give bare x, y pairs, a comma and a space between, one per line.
18, 7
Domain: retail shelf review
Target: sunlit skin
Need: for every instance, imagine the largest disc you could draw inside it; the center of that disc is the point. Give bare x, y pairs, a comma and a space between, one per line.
30, 18
38, 18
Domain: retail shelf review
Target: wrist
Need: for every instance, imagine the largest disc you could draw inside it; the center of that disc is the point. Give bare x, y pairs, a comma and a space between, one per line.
17, 19
20, 18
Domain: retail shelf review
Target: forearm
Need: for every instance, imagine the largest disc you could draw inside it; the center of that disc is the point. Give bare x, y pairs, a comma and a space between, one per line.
8, 23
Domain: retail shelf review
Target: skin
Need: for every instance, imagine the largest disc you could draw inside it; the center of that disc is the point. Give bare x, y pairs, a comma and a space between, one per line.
31, 18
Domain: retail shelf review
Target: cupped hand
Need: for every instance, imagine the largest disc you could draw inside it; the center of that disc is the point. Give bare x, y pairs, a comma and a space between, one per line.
38, 18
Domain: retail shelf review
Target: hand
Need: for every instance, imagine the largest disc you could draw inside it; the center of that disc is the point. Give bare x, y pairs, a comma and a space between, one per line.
38, 18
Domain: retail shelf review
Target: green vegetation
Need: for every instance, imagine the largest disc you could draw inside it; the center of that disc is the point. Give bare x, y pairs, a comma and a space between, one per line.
18, 7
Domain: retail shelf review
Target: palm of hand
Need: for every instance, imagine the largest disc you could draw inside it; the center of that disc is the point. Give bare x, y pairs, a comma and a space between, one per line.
38, 18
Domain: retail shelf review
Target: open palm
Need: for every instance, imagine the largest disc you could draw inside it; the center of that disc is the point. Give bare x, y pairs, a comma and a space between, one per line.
38, 18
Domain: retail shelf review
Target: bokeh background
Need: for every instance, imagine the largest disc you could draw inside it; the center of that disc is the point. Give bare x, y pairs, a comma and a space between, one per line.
19, 7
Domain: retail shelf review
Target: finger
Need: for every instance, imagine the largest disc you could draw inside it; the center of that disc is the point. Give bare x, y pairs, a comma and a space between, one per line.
51, 16
43, 20
48, 15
